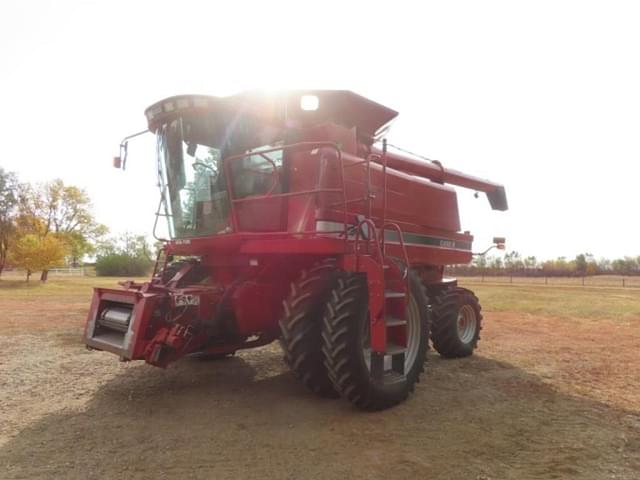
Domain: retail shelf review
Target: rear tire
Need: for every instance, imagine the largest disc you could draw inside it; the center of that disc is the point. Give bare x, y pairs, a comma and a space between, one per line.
456, 322
301, 326
346, 317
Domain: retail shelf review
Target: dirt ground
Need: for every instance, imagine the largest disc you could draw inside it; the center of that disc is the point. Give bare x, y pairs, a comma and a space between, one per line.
545, 397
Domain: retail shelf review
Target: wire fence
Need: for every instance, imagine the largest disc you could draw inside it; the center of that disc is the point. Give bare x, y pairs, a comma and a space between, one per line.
619, 281
53, 272
69, 272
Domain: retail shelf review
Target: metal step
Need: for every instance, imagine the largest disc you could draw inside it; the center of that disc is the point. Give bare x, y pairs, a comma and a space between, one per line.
391, 377
392, 294
110, 341
394, 322
390, 363
393, 349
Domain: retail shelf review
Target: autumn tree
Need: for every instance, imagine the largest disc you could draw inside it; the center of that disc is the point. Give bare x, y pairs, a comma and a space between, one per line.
626, 265
36, 253
530, 262
513, 261
586, 264
8, 207
604, 265
63, 210
480, 262
496, 263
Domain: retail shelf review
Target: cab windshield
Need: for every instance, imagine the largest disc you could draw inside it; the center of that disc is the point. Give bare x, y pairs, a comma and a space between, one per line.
190, 153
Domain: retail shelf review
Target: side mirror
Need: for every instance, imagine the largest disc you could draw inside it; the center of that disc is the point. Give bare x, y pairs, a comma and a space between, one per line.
498, 242
121, 160
124, 146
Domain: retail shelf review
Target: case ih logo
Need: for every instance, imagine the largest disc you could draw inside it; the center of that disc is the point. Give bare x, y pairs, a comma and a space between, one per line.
186, 300
447, 244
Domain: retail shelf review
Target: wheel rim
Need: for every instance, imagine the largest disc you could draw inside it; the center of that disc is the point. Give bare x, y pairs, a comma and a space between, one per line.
413, 333
467, 324
413, 339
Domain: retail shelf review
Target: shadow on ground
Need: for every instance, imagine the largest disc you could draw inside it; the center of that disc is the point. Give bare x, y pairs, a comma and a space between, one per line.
247, 417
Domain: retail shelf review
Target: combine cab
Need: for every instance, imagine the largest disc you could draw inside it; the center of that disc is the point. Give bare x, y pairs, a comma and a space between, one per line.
290, 219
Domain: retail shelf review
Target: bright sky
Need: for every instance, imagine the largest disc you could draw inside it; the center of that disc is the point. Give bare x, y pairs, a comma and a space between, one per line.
543, 96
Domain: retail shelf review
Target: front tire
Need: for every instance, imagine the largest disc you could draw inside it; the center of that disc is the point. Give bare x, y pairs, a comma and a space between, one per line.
456, 322
344, 331
301, 326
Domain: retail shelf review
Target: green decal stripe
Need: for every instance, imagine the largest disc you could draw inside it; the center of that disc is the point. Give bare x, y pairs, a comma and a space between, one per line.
415, 239
409, 238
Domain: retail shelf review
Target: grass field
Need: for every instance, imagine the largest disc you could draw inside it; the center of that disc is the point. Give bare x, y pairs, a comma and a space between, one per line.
552, 392
559, 300
606, 281
58, 303
577, 302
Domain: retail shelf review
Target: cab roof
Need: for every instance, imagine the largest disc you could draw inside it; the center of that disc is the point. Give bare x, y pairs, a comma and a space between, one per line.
336, 106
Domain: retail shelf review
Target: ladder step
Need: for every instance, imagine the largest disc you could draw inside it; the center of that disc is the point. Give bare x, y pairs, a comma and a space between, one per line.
393, 377
392, 294
394, 322
393, 349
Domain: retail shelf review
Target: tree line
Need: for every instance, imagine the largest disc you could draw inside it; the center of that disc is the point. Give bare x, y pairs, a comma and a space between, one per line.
514, 263
52, 224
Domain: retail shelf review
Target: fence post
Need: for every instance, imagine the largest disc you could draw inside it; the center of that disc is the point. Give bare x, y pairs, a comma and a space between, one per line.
583, 280
546, 280
622, 282
511, 279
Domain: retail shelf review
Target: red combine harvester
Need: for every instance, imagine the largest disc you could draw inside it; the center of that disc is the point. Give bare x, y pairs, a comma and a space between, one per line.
290, 219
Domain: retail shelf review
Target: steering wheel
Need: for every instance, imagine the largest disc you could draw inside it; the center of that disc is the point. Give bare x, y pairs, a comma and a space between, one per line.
206, 166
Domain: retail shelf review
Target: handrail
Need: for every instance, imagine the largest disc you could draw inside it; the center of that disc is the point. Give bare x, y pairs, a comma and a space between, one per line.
403, 247
287, 194
372, 234
294, 146
158, 214
397, 228
379, 245
384, 189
